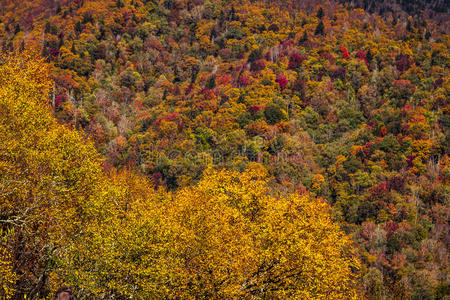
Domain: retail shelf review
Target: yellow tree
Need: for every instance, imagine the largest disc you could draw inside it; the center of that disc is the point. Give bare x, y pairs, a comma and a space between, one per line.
47, 173
237, 239
226, 237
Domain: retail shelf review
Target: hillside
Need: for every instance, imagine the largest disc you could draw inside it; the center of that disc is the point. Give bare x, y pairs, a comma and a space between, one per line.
344, 103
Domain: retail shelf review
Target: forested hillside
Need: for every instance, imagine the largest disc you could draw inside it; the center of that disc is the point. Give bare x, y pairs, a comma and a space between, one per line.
179, 148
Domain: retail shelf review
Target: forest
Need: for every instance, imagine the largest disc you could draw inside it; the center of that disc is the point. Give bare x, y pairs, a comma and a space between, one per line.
223, 149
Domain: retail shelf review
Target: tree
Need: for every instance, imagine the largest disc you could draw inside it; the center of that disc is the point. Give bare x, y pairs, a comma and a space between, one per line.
211, 82
273, 114
320, 29
320, 13
263, 237
344, 52
295, 60
282, 81
224, 237
47, 174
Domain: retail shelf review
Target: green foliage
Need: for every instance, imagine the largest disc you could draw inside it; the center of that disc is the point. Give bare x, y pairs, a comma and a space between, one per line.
274, 114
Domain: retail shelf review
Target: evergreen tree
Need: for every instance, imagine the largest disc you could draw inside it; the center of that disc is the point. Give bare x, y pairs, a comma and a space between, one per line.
320, 29
211, 83
320, 13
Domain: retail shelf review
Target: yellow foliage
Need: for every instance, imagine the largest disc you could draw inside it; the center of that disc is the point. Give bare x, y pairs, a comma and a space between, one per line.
421, 148
317, 181
226, 237
47, 172
7, 276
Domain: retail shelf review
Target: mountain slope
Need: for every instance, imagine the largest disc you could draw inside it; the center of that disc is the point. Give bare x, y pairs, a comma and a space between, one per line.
333, 101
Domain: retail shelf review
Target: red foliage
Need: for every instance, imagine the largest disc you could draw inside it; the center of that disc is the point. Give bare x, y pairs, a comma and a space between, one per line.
209, 94
287, 43
403, 87
282, 81
367, 230
379, 193
243, 80
406, 108
254, 109
175, 90
328, 56
66, 82
403, 62
301, 190
257, 128
283, 126
396, 183
438, 83
172, 116
295, 60
29, 20
258, 65
224, 79
344, 52
361, 54
320, 75
390, 228
138, 105
299, 86
59, 99
174, 15
152, 43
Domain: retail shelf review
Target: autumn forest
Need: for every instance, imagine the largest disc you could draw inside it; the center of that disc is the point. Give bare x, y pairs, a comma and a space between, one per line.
224, 149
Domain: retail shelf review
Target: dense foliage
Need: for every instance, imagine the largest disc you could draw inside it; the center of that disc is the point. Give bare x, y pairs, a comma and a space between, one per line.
336, 103
112, 235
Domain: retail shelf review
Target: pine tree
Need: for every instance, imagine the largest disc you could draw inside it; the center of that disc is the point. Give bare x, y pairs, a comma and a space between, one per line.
211, 83
320, 13
320, 29
369, 56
